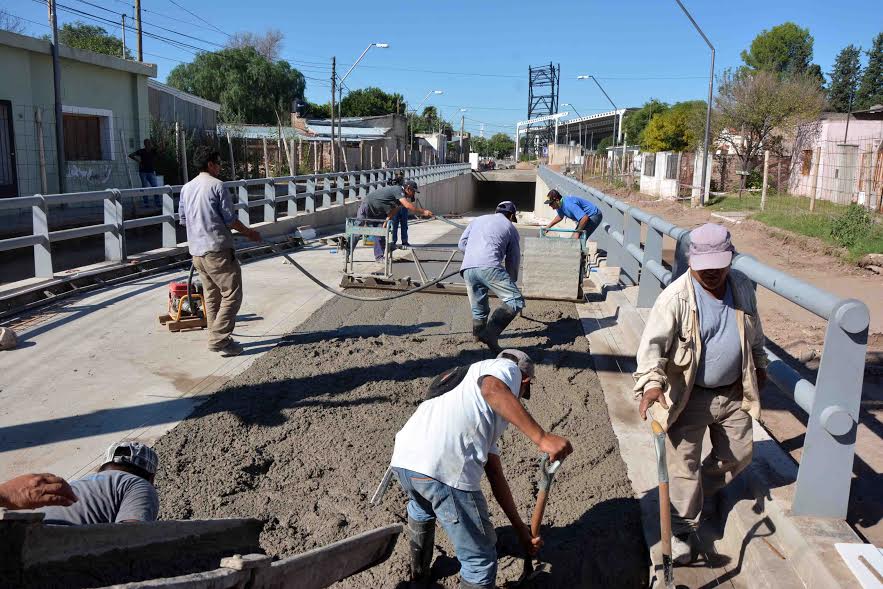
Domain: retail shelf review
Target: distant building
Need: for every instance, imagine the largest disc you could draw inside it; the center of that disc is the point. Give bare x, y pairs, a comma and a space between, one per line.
170, 105
105, 108
837, 164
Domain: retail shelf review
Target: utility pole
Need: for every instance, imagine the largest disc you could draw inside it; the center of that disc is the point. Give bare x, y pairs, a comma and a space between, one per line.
138, 28
59, 121
124, 35
333, 87
462, 125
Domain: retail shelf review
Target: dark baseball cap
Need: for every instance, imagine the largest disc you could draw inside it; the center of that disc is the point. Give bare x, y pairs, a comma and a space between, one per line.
410, 184
507, 206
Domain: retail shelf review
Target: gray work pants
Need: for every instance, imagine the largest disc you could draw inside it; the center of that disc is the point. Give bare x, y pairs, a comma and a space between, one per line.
221, 279
718, 411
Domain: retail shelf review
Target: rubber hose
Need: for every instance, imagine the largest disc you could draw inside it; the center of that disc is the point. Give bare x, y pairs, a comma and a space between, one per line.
353, 297
192, 309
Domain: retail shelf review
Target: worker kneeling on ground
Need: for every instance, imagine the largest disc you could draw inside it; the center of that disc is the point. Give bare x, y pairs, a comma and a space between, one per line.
586, 215
121, 491
491, 257
439, 457
384, 204
206, 209
701, 365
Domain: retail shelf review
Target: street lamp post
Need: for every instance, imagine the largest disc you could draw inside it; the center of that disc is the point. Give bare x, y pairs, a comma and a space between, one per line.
610, 100
573, 107
340, 89
703, 193
462, 129
410, 133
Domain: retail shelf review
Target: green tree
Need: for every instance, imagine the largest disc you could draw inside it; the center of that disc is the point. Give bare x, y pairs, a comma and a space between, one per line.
635, 122
91, 38
870, 91
756, 108
677, 129
785, 49
429, 122
844, 79
318, 111
479, 145
500, 145
249, 87
370, 102
602, 145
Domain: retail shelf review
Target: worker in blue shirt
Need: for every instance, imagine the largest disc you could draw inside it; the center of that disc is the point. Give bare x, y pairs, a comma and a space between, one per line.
586, 215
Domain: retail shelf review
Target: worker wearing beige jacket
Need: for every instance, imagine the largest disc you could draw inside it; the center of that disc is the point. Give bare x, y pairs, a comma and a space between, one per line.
701, 365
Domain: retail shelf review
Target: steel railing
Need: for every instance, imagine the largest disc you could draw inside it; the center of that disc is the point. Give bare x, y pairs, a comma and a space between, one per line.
633, 240
303, 194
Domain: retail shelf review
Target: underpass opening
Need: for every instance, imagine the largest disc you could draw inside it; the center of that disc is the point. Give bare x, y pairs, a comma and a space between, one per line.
495, 186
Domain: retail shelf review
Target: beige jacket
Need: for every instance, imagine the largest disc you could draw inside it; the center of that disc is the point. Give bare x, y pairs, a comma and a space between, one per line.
668, 356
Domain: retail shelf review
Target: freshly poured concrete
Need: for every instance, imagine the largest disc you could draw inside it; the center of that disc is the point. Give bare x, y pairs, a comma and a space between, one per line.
100, 368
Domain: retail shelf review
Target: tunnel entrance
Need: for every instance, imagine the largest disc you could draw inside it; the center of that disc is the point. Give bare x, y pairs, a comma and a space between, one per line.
499, 185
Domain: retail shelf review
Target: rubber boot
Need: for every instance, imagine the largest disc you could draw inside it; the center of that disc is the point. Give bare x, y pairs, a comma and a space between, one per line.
500, 319
477, 327
422, 544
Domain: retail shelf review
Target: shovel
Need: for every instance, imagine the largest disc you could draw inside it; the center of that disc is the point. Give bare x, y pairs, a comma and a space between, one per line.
547, 471
668, 576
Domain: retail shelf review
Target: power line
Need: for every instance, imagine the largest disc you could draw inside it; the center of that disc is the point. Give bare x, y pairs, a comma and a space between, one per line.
199, 18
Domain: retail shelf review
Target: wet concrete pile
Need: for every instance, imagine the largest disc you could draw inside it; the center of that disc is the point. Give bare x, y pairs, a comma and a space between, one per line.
302, 437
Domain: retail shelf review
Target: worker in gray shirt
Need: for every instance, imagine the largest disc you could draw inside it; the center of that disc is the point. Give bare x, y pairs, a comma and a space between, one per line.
491, 258
121, 491
701, 366
206, 209
383, 204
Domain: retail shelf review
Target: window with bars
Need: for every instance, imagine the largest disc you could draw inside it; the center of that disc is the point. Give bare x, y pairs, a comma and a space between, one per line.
650, 165
87, 134
671, 166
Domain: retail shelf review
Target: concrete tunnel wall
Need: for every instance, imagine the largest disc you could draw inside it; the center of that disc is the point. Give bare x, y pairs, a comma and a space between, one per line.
454, 195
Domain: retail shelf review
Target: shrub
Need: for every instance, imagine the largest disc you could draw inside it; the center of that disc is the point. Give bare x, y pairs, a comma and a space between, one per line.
853, 225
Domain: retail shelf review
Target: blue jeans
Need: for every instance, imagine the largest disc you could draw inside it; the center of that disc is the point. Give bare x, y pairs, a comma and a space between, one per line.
401, 219
379, 242
149, 179
464, 517
481, 280
593, 223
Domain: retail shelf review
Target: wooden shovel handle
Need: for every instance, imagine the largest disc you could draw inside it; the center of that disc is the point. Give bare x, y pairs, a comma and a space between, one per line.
664, 504
536, 519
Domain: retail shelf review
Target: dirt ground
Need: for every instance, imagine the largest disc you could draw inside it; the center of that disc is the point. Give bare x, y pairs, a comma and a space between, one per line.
301, 439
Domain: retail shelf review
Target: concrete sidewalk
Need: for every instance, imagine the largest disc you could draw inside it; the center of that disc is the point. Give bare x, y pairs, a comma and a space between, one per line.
100, 368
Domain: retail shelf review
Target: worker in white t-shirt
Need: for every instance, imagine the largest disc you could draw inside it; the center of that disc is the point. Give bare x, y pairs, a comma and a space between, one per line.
441, 453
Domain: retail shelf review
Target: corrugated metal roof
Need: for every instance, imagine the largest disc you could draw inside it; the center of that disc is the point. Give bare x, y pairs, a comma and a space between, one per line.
351, 132
180, 94
258, 131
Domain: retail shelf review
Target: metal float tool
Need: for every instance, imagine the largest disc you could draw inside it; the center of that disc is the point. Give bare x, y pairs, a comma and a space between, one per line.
668, 577
547, 472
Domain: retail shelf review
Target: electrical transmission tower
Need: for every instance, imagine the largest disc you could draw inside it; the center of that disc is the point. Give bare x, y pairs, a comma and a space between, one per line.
543, 82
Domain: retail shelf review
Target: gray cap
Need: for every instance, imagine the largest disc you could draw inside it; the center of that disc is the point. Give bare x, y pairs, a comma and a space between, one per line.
525, 364
410, 184
134, 454
507, 206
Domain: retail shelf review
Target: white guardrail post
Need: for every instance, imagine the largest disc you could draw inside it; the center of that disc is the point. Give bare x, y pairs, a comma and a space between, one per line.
270, 201
114, 239
242, 191
169, 229
43, 248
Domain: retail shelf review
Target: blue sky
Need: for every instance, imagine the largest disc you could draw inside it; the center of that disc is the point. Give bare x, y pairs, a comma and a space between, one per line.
478, 52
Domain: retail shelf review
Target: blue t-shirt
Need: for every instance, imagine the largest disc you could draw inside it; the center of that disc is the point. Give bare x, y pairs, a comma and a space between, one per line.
574, 207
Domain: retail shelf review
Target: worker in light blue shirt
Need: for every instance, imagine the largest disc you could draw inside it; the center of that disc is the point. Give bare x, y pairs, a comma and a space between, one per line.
491, 257
586, 215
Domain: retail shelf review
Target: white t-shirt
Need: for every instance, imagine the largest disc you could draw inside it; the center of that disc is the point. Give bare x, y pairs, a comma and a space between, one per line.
449, 438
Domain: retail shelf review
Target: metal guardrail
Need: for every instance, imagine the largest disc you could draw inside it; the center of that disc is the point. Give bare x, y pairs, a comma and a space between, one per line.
305, 194
832, 402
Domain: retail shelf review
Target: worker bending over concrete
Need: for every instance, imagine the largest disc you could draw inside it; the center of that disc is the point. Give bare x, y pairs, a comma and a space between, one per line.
439, 457
586, 215
491, 258
121, 491
30, 491
384, 204
701, 365
206, 209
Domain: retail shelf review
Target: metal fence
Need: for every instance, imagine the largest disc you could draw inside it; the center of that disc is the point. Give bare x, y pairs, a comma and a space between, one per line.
832, 402
284, 196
